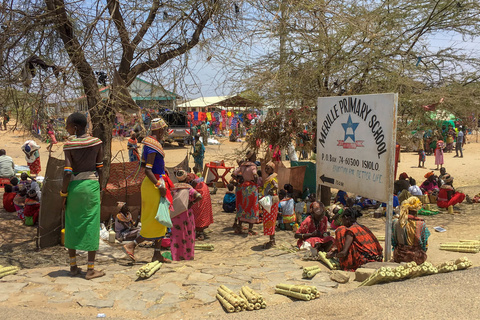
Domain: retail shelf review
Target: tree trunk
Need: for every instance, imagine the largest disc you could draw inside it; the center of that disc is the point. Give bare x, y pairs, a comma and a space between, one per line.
103, 119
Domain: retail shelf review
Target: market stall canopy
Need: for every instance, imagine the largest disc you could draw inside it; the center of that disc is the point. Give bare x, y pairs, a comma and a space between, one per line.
221, 102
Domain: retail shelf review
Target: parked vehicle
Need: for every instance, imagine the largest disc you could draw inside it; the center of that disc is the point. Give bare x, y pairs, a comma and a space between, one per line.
178, 127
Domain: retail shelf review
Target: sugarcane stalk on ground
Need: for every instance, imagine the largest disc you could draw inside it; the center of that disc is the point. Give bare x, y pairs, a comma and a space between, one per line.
204, 246
7, 271
293, 294
227, 305
295, 288
254, 293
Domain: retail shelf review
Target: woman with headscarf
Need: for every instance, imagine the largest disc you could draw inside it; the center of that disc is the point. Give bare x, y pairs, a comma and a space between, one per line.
410, 234
247, 194
355, 244
447, 196
155, 185
314, 229
202, 210
183, 219
270, 188
30, 148
430, 185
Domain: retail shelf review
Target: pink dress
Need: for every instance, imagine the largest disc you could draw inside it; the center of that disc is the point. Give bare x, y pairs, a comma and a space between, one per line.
183, 233
439, 153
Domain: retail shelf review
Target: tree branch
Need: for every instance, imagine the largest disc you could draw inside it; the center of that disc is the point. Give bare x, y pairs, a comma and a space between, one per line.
164, 57
146, 25
127, 47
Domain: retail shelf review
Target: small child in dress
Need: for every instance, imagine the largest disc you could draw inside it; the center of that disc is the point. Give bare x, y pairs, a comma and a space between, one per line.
229, 199
32, 208
421, 158
300, 209
439, 154
8, 198
24, 181
19, 202
286, 208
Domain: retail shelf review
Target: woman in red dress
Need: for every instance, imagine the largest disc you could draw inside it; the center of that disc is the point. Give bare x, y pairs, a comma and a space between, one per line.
202, 210
314, 229
355, 244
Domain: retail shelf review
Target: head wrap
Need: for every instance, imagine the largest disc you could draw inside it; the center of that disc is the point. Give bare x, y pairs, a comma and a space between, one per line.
403, 176
429, 174
271, 165
190, 177
158, 123
181, 175
447, 178
412, 203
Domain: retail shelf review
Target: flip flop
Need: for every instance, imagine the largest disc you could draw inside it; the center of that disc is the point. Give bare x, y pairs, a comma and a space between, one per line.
129, 254
252, 233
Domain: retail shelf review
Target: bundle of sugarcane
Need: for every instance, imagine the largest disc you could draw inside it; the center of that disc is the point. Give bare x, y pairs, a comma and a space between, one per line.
463, 263
204, 246
467, 247
332, 264
448, 266
409, 270
310, 272
301, 292
254, 300
231, 301
7, 271
146, 271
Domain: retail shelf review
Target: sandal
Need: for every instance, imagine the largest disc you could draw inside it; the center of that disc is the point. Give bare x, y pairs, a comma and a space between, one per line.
128, 253
200, 237
252, 233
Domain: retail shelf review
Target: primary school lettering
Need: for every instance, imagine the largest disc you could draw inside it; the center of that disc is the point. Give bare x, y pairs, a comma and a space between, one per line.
352, 105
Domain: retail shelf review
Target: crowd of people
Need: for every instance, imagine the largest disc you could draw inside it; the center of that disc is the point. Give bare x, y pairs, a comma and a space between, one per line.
176, 215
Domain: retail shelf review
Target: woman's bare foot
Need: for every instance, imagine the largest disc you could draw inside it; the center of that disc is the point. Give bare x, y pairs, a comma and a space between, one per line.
159, 257
92, 274
74, 271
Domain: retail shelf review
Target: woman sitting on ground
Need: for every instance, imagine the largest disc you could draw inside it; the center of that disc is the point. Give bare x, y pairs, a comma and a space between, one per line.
314, 229
430, 185
355, 245
401, 184
447, 196
410, 234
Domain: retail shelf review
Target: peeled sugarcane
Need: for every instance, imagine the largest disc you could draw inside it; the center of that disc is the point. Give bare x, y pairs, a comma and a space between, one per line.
204, 246
242, 302
312, 273
328, 262
465, 249
293, 294
380, 238
227, 305
295, 288
257, 306
153, 270
251, 298
263, 305
229, 297
255, 294
8, 271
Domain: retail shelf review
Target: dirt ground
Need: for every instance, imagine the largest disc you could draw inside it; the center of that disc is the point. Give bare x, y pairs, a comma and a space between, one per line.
17, 242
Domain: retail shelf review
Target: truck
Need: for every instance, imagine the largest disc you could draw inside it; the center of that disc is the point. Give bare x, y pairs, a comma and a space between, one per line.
179, 130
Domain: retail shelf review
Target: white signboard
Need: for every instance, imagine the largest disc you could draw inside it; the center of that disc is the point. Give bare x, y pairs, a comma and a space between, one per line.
356, 144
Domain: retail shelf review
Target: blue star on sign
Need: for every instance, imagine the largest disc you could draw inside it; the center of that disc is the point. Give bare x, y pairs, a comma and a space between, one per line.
351, 125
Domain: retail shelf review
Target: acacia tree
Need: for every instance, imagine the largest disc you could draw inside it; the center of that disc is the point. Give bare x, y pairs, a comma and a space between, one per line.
123, 38
325, 48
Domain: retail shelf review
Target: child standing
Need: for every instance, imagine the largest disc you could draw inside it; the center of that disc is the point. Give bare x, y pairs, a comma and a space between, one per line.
8, 198
286, 208
439, 154
421, 158
229, 199
32, 208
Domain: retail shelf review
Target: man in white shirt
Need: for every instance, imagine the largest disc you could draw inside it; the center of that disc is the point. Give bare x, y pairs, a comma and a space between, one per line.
7, 167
